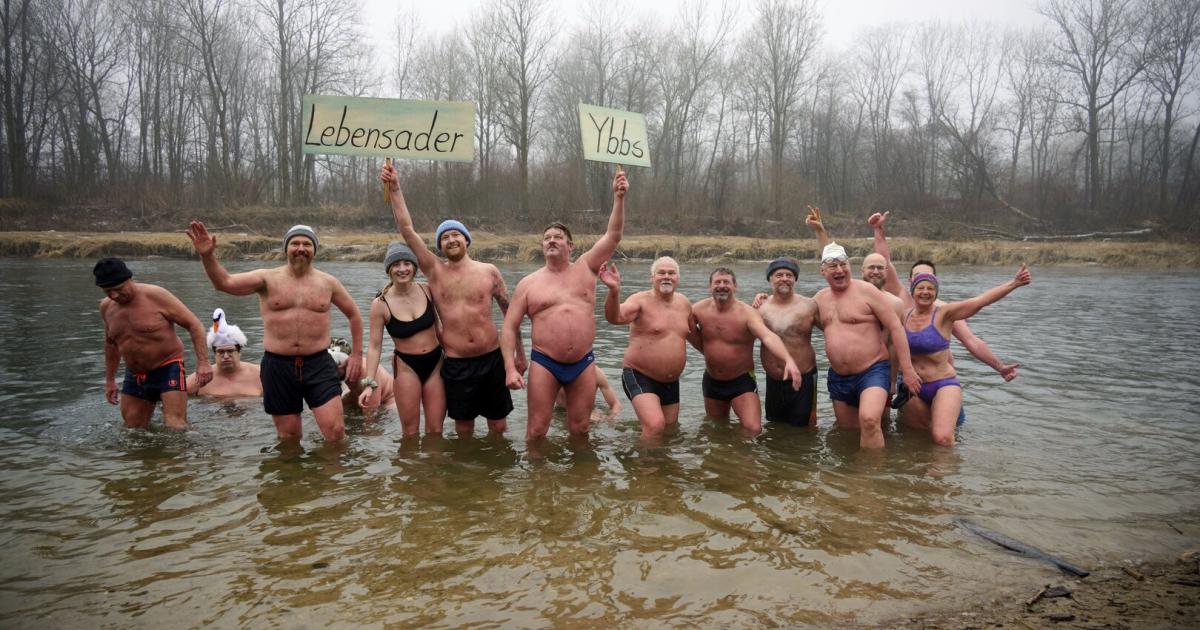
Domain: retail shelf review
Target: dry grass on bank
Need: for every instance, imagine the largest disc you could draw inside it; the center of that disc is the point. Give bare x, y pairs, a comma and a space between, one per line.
363, 246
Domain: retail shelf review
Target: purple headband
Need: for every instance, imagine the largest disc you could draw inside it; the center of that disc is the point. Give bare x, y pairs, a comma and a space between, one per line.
923, 277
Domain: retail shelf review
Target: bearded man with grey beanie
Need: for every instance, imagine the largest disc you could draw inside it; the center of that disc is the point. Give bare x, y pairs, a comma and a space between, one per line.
294, 300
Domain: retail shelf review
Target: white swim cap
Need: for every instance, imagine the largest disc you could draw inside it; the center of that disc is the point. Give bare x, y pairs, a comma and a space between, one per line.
833, 252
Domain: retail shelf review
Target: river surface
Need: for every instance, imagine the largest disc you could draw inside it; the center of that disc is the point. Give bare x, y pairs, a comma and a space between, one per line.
1091, 454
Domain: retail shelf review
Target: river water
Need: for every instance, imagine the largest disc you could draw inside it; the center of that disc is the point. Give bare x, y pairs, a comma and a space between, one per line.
1090, 454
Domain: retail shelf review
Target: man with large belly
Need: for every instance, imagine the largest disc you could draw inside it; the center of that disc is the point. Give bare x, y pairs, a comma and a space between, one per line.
791, 316
725, 332
139, 328
560, 300
659, 321
854, 316
463, 291
294, 301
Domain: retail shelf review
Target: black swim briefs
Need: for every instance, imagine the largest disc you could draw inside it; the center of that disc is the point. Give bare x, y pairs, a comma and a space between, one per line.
728, 390
635, 384
475, 387
290, 381
785, 404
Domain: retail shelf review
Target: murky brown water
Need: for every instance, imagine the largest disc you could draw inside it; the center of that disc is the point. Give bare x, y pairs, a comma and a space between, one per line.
1091, 454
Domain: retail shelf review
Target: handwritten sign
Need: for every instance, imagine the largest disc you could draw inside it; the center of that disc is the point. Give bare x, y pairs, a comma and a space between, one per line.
612, 135
413, 130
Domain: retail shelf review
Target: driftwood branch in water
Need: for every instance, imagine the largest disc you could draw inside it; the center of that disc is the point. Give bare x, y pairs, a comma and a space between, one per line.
1073, 237
1028, 551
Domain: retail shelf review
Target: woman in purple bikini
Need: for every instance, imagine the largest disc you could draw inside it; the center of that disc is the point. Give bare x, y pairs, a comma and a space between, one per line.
929, 327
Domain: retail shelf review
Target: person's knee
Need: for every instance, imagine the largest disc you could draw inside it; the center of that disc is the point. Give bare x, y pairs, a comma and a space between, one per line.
499, 426
943, 438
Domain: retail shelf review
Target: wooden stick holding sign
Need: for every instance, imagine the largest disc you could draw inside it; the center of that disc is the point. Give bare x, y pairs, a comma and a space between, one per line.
612, 135
387, 190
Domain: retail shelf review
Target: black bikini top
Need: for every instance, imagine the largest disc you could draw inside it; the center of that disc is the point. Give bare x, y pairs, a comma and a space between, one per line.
404, 330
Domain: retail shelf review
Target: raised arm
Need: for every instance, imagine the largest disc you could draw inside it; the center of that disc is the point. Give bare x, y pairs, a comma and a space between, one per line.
205, 243
510, 339
892, 284
813, 221
981, 351
615, 312
426, 259
377, 317
180, 315
342, 300
607, 244
966, 308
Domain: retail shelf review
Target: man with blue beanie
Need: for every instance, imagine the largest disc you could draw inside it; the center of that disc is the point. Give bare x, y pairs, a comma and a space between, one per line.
463, 291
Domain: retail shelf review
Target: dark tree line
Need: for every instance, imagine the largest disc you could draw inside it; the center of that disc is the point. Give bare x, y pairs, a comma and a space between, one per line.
1090, 119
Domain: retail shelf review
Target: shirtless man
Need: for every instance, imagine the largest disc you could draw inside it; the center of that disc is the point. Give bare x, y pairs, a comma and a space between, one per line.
659, 321
294, 301
725, 332
139, 328
560, 300
463, 290
854, 316
791, 316
233, 376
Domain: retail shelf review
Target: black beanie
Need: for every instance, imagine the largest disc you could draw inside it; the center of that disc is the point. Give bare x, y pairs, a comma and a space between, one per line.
110, 272
783, 263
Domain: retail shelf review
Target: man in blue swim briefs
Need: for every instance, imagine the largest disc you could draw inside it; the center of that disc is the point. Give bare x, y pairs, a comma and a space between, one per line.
139, 328
854, 315
726, 328
560, 300
295, 301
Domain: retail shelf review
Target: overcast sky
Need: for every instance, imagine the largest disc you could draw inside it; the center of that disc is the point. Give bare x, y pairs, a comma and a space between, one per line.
842, 19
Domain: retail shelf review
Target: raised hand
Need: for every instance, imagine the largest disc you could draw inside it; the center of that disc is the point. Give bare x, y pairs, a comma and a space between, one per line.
610, 276
388, 176
204, 242
620, 184
1023, 276
877, 220
813, 220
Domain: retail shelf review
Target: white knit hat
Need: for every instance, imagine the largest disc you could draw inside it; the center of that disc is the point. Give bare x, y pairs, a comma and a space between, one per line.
224, 334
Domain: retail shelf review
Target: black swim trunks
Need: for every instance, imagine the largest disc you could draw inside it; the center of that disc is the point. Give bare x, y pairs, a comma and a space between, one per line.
169, 376
475, 387
785, 404
635, 384
728, 390
290, 381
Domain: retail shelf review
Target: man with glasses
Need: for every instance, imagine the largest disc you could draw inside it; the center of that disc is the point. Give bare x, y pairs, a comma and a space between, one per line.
233, 378
855, 316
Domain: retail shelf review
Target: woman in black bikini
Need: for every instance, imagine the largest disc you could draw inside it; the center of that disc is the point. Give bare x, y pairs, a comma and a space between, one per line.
404, 308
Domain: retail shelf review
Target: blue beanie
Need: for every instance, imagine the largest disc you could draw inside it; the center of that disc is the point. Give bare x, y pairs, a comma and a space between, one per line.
783, 263
446, 226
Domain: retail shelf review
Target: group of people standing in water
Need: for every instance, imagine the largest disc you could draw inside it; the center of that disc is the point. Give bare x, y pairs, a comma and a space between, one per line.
883, 343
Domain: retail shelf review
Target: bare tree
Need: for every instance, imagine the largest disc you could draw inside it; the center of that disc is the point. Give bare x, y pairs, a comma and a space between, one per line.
780, 46
1176, 28
526, 35
1100, 46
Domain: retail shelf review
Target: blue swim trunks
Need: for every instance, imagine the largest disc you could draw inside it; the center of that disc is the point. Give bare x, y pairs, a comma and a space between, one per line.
848, 388
564, 373
169, 376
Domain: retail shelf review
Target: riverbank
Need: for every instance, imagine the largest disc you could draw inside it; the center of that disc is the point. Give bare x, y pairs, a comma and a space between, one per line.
1164, 595
365, 246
